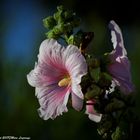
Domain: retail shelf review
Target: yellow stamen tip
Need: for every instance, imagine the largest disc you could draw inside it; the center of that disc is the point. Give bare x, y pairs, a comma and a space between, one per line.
64, 82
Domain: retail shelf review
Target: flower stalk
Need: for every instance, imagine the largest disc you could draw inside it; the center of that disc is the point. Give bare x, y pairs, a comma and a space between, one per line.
101, 85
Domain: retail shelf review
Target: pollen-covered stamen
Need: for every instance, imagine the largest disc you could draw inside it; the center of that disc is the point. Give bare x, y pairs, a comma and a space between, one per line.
64, 82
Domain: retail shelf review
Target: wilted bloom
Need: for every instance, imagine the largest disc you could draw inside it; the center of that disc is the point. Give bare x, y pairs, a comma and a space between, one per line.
120, 65
57, 74
92, 114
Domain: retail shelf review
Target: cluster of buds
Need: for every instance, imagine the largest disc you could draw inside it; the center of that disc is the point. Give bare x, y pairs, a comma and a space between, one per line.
101, 85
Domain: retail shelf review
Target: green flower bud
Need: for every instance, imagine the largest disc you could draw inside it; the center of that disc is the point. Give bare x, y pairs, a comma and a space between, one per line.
75, 40
105, 80
95, 74
121, 132
52, 34
71, 39
93, 62
49, 22
58, 17
60, 8
58, 30
117, 134
93, 92
104, 127
114, 105
68, 15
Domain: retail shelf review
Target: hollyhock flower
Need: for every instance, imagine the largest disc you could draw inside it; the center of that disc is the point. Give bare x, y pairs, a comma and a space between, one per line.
57, 74
92, 114
120, 65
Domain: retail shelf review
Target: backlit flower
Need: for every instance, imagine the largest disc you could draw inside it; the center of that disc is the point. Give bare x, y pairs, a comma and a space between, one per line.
120, 65
92, 114
57, 74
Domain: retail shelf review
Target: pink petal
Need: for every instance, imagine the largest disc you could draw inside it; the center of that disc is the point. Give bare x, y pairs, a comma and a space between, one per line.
53, 101
34, 78
120, 70
120, 66
51, 53
92, 114
94, 117
43, 75
76, 89
77, 102
76, 66
117, 40
70, 50
48, 50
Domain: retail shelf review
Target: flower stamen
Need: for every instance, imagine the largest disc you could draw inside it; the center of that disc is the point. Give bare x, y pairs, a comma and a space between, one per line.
64, 82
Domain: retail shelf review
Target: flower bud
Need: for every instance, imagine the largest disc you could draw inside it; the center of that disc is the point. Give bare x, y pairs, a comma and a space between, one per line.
93, 62
52, 34
68, 15
95, 74
93, 92
49, 22
114, 105
105, 80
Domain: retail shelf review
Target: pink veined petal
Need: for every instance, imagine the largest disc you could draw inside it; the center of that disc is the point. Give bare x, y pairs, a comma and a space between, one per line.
51, 53
77, 102
76, 88
53, 103
70, 50
76, 66
34, 78
44, 74
48, 49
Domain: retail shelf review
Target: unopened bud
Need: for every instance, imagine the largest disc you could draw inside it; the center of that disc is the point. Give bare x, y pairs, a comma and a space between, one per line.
49, 22
95, 74
93, 92
105, 80
93, 62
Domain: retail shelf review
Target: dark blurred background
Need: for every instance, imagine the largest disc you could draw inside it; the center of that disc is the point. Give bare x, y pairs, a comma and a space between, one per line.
22, 32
